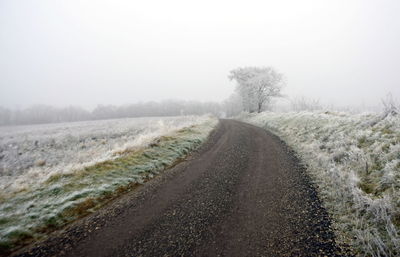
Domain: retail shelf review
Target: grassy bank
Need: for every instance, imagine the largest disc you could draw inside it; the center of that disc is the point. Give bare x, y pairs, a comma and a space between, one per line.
355, 162
31, 213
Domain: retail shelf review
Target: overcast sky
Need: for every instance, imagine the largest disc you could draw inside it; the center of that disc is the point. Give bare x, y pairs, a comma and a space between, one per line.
116, 52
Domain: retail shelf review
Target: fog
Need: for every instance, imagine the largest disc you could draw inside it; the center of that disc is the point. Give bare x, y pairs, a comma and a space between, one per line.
85, 53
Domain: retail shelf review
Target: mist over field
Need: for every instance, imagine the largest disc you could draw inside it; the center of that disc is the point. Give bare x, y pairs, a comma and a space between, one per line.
135, 87
86, 53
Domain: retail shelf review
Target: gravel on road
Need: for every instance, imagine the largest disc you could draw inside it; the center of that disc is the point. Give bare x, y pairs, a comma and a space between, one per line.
244, 193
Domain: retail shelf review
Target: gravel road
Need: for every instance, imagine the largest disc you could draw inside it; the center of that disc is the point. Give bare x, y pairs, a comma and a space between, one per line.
242, 194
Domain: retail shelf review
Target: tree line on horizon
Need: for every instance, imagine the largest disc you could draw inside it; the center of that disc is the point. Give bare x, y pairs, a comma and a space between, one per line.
254, 91
41, 114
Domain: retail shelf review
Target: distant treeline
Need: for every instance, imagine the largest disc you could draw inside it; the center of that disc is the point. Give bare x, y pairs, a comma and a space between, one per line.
39, 114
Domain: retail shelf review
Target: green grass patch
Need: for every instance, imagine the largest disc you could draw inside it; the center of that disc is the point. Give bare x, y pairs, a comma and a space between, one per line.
367, 185
364, 142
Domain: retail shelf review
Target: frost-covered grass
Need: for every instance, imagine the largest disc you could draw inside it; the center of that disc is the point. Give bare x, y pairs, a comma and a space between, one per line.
54, 174
355, 162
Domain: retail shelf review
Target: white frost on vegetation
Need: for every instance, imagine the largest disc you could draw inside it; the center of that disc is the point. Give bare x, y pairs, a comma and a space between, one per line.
32, 154
35, 195
355, 161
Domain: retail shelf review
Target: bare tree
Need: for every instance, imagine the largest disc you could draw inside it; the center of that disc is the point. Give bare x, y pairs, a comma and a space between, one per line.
256, 86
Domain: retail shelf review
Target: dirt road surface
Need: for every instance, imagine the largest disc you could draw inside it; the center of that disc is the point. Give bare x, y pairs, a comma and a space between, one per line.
242, 194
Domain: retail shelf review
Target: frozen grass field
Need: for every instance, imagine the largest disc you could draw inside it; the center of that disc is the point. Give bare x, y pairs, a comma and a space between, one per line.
355, 163
53, 174
35, 153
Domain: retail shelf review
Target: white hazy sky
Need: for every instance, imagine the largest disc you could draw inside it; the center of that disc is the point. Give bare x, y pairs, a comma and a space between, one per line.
116, 52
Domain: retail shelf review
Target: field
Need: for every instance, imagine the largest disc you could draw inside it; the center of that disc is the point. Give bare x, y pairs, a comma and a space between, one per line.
354, 161
53, 174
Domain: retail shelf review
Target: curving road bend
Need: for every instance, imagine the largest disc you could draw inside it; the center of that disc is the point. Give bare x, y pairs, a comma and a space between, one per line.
242, 194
